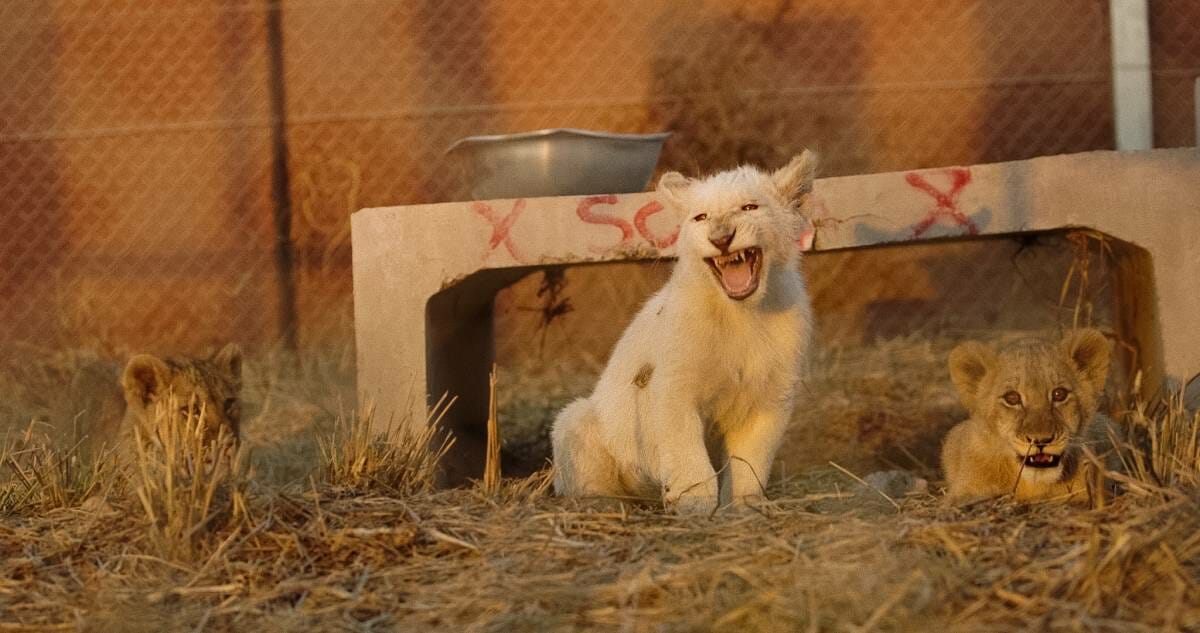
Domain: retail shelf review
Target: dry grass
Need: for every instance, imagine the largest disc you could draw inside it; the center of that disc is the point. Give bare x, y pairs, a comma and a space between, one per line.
491, 466
193, 540
364, 550
190, 487
463, 560
885, 405
1161, 447
399, 460
45, 474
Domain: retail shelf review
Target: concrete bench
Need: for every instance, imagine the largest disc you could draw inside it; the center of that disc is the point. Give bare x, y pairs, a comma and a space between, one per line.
425, 276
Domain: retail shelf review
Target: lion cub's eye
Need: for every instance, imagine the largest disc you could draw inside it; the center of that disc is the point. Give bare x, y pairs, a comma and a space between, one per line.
700, 217
749, 206
1059, 394
1012, 399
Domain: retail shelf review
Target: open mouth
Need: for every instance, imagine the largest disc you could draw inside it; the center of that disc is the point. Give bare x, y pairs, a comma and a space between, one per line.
1041, 460
738, 271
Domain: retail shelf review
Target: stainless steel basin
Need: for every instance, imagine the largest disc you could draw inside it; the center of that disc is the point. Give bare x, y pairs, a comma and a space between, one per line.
557, 162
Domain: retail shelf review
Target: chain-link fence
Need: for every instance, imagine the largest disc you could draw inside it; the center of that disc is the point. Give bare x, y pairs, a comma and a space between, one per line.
174, 175
1175, 54
138, 155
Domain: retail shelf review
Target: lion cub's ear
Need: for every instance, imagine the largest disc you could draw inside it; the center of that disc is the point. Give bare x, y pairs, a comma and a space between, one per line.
230, 360
794, 181
671, 187
1088, 351
969, 363
144, 378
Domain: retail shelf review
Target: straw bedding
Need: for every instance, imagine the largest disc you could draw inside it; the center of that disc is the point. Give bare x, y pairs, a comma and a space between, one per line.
331, 558
368, 543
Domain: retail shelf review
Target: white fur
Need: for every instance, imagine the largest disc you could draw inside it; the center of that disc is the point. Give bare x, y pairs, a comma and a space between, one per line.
1042, 476
723, 373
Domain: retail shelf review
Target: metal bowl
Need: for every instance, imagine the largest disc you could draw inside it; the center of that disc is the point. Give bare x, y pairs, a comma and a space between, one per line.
558, 162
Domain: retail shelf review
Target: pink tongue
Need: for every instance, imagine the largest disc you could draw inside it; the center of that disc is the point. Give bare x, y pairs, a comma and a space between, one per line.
737, 276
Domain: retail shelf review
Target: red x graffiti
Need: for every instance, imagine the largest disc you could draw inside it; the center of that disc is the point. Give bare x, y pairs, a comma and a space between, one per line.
501, 227
946, 201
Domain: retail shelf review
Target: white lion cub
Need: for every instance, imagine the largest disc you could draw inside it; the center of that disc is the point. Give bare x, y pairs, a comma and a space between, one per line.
704, 378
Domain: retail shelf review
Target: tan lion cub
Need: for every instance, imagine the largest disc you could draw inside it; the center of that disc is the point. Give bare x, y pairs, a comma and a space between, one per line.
210, 385
706, 373
1033, 405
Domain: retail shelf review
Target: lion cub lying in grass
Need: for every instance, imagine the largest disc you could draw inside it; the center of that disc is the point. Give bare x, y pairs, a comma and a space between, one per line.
1033, 406
705, 376
193, 385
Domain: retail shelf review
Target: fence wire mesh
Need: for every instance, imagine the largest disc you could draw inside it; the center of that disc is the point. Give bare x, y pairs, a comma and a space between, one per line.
137, 147
1175, 55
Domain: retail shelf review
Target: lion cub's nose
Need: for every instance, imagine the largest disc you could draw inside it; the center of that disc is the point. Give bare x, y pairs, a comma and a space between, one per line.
722, 242
1040, 440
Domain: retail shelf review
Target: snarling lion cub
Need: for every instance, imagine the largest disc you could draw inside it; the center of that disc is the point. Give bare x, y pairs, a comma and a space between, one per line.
1033, 406
705, 376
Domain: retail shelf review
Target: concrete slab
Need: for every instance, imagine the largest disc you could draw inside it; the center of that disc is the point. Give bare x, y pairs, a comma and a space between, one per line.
425, 275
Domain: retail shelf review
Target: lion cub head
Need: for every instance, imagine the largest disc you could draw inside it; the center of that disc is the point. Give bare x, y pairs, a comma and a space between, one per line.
739, 224
209, 384
1036, 397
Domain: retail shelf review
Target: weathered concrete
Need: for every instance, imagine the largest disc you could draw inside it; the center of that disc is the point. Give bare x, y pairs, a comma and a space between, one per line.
424, 276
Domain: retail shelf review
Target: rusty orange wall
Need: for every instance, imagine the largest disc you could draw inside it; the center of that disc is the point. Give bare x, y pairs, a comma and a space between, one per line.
877, 86
135, 153
1175, 58
128, 141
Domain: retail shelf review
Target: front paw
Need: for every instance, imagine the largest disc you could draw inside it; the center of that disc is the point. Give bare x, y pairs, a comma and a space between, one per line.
694, 505
747, 503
